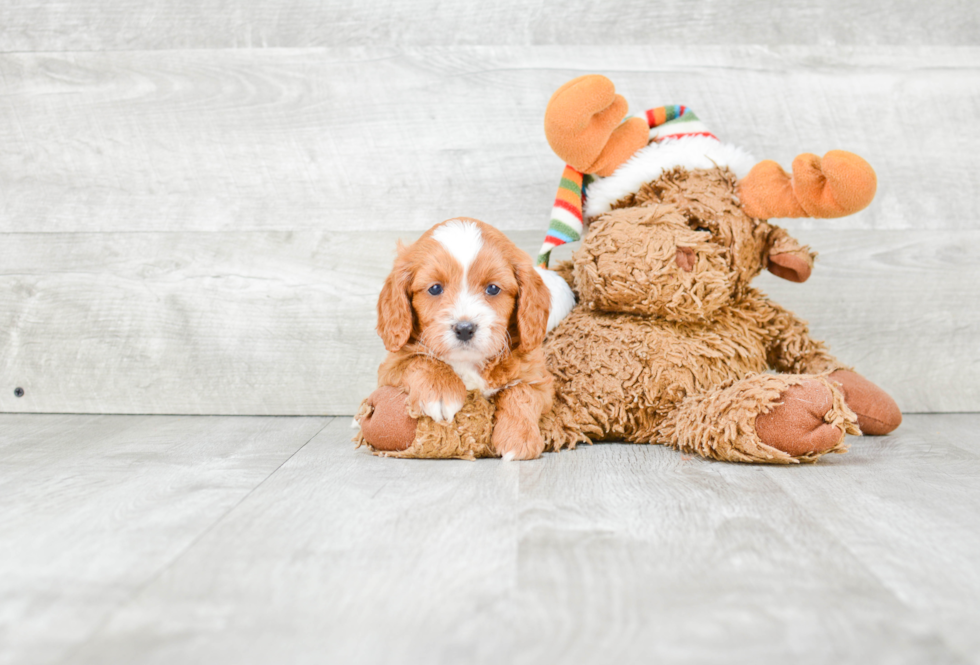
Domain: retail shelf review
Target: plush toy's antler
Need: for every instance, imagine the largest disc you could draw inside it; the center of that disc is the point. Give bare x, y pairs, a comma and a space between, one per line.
840, 184
582, 123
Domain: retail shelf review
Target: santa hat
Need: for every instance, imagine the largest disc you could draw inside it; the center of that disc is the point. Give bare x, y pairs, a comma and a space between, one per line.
677, 138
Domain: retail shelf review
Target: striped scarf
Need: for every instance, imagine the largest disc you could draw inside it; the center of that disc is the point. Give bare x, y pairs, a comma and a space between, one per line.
665, 122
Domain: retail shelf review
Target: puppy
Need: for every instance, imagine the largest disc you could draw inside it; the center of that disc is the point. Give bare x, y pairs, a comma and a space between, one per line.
465, 309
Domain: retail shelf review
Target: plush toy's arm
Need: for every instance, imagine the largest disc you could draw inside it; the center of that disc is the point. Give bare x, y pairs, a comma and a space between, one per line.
791, 349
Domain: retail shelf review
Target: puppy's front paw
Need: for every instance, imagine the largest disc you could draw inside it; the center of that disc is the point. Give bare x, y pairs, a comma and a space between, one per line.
440, 405
517, 439
442, 410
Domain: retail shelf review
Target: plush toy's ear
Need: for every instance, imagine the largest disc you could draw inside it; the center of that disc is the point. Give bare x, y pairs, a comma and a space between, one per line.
533, 306
395, 305
839, 184
582, 124
785, 257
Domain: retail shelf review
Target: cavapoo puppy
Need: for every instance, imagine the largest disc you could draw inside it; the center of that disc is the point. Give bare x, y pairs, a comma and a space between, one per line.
465, 309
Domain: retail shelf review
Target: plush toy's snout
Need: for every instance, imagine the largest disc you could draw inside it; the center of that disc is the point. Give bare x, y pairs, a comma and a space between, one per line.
646, 260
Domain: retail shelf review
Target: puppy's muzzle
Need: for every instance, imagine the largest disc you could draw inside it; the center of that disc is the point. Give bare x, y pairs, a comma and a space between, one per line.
464, 331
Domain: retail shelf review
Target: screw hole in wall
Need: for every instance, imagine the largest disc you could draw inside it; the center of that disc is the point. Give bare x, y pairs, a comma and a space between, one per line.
18, 392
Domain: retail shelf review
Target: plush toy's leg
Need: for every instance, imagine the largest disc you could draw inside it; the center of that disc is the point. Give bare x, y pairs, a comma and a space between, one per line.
876, 411
389, 428
774, 418
792, 350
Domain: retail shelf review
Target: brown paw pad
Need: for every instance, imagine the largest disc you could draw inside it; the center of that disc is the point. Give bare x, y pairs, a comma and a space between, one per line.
877, 412
388, 426
796, 425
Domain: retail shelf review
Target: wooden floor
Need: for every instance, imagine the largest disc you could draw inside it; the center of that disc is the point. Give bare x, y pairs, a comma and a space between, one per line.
158, 539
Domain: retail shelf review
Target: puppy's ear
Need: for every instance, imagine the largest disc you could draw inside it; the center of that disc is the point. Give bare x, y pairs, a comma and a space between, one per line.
395, 305
785, 257
533, 306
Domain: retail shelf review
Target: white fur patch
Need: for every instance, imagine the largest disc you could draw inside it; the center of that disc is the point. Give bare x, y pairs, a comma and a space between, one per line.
649, 163
441, 411
562, 297
469, 372
472, 308
462, 239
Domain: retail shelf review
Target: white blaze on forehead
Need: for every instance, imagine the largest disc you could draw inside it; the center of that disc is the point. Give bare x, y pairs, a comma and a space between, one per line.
462, 239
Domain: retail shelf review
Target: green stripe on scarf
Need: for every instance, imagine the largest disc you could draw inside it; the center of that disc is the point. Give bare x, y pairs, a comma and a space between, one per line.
570, 186
563, 228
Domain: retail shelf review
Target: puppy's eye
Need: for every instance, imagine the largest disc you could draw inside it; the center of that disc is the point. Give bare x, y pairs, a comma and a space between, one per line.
492, 289
702, 229
435, 290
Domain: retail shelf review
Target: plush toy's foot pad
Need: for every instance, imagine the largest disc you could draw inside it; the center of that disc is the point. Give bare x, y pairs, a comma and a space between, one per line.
876, 411
798, 425
387, 425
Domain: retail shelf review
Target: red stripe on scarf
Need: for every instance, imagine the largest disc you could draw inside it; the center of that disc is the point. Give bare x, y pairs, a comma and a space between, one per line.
565, 205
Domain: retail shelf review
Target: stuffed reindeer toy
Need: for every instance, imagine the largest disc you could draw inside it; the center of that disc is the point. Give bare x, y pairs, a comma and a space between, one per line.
668, 342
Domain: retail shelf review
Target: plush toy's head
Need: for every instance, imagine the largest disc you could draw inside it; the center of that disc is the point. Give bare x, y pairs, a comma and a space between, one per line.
680, 248
675, 220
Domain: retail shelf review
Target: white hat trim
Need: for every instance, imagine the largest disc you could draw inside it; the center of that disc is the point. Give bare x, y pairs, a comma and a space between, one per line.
649, 163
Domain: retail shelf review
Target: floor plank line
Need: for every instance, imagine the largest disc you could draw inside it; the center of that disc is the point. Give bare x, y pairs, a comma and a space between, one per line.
92, 506
107, 618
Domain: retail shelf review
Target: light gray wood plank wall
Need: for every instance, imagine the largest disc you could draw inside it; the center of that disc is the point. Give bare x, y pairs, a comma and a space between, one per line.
82, 25
260, 323
397, 139
283, 323
205, 231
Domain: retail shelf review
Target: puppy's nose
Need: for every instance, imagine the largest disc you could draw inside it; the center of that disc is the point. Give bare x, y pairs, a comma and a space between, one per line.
464, 330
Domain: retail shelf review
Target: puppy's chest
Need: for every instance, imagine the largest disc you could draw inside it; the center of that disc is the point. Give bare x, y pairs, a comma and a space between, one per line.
474, 377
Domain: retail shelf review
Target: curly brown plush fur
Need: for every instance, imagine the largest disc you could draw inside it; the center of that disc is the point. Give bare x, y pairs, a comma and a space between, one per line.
653, 343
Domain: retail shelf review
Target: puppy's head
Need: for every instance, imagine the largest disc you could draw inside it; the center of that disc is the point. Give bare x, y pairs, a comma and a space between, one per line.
463, 292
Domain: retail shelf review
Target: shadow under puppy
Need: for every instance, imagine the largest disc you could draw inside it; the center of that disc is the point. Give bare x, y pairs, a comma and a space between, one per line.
463, 315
